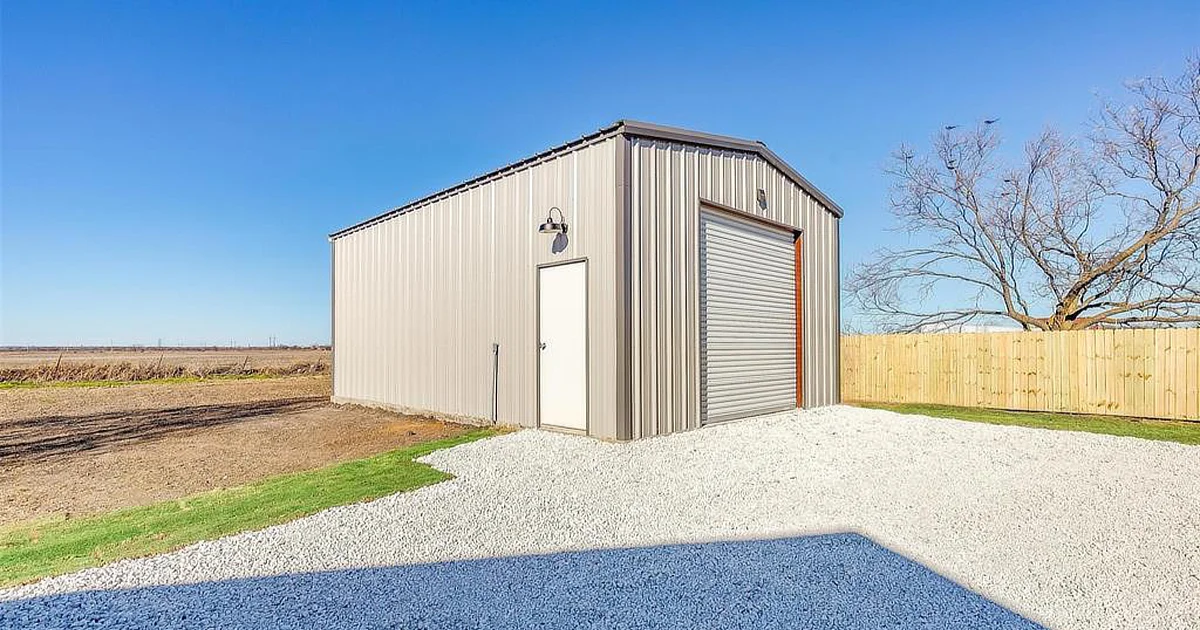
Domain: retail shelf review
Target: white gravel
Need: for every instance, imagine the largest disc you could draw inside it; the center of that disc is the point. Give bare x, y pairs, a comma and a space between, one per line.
1071, 530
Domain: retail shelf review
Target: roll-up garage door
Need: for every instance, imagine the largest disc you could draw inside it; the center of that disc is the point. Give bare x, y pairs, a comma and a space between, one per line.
747, 318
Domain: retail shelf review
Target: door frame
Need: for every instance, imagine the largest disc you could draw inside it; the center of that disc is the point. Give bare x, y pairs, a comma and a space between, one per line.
798, 271
587, 346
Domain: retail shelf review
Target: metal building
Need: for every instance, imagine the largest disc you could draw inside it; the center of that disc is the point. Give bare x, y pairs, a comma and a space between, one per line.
638, 281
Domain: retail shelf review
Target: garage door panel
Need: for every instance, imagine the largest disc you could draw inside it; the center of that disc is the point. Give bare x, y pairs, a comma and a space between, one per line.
769, 338
748, 234
747, 298
733, 385
749, 284
751, 298
751, 270
767, 260
748, 319
764, 367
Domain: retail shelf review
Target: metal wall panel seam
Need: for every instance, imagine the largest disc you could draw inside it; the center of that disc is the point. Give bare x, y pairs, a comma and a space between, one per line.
624, 368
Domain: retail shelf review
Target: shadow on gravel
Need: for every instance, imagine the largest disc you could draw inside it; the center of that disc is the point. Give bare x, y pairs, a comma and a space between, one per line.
828, 581
45, 437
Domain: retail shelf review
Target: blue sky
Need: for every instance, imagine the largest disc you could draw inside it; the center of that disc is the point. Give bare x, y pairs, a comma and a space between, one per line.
170, 169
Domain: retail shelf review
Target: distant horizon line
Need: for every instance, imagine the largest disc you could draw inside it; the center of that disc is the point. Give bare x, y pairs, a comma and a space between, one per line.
309, 346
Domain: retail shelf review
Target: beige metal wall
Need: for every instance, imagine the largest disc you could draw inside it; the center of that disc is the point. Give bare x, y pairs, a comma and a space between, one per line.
420, 297
669, 180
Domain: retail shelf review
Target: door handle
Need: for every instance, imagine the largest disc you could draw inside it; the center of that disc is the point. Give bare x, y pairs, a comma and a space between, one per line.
542, 345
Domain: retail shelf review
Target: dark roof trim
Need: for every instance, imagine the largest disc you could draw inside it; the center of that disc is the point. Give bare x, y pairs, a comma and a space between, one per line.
628, 127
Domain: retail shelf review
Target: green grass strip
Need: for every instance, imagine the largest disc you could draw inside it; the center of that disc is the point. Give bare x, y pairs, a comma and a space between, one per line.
31, 551
1165, 430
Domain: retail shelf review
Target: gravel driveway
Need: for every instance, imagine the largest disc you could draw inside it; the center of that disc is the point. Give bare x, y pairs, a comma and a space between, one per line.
837, 517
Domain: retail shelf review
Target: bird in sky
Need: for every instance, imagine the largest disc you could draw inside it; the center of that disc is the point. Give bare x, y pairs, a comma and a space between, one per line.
949, 127
991, 121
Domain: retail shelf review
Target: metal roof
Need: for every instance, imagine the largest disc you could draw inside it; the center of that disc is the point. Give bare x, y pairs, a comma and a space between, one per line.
621, 127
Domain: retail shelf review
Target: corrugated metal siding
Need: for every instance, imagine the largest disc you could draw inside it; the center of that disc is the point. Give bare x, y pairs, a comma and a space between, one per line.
747, 318
421, 296
669, 181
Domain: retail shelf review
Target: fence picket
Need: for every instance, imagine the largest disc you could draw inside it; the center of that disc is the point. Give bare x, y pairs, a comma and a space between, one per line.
1143, 373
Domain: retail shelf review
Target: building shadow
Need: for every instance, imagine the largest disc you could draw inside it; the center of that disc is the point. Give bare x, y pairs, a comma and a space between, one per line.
46, 437
827, 581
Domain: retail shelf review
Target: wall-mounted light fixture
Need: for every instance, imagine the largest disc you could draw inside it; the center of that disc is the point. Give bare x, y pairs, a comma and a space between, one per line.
551, 226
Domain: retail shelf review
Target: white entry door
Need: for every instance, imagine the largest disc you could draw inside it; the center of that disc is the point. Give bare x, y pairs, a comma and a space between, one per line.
562, 366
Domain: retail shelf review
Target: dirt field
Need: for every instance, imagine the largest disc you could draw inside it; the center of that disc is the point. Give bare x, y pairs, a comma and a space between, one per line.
184, 357
68, 451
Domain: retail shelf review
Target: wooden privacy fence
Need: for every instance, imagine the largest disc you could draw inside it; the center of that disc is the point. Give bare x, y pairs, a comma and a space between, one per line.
1151, 373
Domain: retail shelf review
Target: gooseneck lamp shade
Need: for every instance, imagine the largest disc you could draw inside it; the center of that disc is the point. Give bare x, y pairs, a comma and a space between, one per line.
551, 226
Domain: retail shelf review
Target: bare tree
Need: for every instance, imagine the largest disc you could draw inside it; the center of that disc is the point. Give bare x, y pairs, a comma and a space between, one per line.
1102, 231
